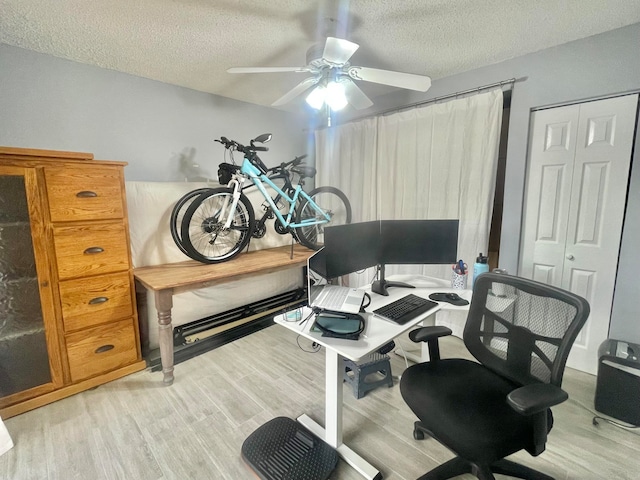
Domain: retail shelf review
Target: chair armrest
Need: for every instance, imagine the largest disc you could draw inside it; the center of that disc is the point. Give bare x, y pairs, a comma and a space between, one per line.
535, 398
424, 334
430, 335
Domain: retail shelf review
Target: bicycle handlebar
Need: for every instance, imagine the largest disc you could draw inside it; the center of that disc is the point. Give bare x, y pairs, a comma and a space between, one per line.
284, 165
248, 150
232, 144
294, 162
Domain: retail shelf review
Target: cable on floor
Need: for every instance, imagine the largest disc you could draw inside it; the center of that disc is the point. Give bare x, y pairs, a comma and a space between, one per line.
613, 422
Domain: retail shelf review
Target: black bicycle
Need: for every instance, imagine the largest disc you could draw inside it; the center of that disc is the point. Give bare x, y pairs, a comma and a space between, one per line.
213, 225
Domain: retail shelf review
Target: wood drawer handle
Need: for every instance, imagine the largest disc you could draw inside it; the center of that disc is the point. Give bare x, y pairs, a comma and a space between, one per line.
97, 300
104, 348
93, 250
86, 194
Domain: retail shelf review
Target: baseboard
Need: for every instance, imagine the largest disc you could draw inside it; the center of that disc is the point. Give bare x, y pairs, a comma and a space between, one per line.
190, 342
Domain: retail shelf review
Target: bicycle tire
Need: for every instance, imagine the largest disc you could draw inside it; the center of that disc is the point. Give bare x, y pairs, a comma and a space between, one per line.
332, 201
177, 214
201, 229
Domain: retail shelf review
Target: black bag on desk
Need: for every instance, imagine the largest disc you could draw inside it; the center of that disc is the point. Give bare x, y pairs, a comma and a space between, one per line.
339, 325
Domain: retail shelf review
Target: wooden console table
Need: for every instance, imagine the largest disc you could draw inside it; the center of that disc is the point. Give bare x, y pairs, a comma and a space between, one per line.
171, 278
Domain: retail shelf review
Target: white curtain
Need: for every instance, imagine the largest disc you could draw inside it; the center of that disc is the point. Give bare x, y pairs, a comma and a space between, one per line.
350, 162
434, 162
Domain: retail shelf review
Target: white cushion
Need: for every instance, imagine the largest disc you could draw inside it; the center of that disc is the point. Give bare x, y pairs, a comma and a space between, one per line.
149, 205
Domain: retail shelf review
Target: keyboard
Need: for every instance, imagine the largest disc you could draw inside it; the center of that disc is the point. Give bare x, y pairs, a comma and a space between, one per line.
405, 309
334, 297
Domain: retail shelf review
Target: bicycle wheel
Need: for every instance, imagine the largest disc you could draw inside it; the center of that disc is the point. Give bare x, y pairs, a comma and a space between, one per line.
330, 200
178, 213
202, 231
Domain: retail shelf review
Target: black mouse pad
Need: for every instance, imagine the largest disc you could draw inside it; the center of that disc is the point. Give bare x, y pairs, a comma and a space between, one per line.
442, 297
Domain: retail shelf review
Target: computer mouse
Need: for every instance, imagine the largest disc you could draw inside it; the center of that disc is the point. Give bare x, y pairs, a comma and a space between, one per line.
453, 296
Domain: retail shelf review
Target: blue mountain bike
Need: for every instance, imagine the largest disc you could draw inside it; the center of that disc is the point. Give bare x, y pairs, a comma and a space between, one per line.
219, 222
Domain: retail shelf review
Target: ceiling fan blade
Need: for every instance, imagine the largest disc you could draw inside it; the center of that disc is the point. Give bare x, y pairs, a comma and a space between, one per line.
395, 79
355, 96
267, 69
297, 90
338, 51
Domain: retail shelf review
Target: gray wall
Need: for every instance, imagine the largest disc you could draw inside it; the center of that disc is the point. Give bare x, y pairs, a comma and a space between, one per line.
52, 103
625, 318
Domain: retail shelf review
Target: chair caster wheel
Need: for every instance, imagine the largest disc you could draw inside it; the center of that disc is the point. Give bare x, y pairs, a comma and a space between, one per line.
418, 434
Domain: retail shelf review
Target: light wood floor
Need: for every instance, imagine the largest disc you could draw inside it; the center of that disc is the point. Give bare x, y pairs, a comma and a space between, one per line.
134, 428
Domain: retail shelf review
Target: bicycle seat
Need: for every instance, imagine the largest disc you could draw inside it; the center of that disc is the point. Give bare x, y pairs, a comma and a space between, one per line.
304, 171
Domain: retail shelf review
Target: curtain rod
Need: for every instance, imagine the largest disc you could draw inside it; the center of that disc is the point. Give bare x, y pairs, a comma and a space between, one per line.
436, 99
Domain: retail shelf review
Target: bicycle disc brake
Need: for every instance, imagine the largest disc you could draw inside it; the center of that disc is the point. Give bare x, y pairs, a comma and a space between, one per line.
213, 227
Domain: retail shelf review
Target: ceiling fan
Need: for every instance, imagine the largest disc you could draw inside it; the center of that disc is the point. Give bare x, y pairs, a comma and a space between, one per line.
334, 77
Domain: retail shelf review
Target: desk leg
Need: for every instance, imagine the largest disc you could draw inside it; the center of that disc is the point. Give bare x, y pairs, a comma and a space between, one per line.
332, 433
164, 303
333, 399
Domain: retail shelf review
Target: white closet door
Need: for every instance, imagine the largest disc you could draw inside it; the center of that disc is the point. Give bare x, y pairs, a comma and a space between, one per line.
551, 159
579, 161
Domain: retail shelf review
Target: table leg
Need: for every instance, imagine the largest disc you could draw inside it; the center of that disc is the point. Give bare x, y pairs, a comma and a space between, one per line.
164, 303
332, 433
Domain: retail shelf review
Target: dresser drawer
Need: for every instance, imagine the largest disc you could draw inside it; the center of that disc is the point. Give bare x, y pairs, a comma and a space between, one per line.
90, 249
84, 193
101, 349
87, 302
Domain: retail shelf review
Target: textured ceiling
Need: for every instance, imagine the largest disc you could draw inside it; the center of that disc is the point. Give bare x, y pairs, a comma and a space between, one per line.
191, 43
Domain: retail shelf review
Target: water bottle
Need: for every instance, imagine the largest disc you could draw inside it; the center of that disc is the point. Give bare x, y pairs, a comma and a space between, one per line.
481, 266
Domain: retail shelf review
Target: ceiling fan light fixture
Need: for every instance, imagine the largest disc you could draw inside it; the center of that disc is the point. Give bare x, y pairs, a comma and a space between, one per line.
333, 95
317, 97
336, 97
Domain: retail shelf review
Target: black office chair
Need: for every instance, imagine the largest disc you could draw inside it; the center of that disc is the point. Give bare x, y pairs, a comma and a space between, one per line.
486, 411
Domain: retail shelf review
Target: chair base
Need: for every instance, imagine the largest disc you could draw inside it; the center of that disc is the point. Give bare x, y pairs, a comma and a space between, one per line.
459, 466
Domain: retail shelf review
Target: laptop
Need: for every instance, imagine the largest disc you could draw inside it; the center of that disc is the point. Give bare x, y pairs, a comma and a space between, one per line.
328, 297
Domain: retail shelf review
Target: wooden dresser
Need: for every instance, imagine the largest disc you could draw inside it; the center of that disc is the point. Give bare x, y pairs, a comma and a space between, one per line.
68, 319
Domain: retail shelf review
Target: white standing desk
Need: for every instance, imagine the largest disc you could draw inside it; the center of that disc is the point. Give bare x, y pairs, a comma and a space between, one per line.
425, 286
377, 332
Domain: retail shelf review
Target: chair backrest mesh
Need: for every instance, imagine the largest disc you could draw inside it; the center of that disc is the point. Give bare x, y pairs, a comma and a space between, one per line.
523, 329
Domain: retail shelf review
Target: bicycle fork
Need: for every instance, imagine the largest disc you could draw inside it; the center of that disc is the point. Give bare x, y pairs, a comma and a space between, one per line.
227, 210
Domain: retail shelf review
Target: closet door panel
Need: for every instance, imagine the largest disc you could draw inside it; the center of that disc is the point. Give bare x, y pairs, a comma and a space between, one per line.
596, 213
548, 193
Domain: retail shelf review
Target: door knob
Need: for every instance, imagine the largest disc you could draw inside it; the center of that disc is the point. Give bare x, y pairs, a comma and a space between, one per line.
570, 257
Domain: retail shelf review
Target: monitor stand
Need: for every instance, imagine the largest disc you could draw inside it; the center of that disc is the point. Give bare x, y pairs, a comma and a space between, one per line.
380, 286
